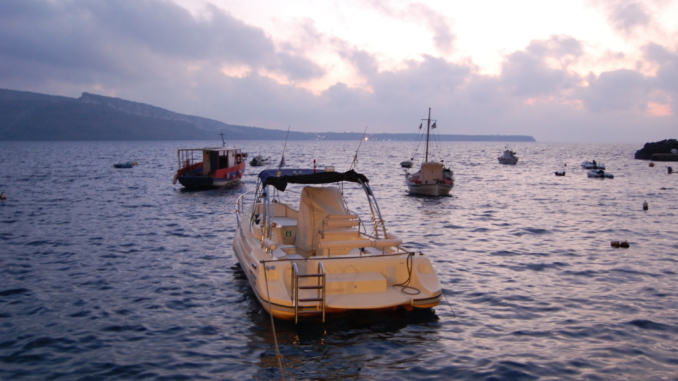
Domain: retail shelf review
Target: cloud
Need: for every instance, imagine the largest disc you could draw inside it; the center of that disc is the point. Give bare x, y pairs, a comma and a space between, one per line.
117, 37
531, 72
435, 22
667, 72
627, 16
156, 52
615, 90
443, 37
557, 46
364, 62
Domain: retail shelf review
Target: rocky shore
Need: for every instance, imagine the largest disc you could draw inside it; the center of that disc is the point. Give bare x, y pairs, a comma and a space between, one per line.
665, 150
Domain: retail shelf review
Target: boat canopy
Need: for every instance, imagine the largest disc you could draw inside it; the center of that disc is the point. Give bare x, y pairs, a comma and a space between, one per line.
307, 176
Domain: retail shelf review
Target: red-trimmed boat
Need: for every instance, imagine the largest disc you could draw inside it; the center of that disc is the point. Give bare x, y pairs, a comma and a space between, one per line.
201, 168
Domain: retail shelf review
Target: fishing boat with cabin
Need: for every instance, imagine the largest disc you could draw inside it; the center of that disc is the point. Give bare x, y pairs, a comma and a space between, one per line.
509, 157
304, 252
433, 178
201, 168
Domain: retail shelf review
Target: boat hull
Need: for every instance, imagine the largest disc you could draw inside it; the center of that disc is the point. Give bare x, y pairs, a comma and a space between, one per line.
511, 161
430, 189
223, 178
599, 174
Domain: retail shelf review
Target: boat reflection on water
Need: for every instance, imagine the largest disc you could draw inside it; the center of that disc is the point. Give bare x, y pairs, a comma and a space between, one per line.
347, 346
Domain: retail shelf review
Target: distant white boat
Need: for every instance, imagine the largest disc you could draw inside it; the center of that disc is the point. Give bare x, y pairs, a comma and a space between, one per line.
592, 165
259, 160
509, 157
600, 174
406, 164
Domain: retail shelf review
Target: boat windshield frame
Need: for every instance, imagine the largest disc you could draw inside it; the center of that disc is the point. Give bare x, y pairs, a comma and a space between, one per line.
279, 178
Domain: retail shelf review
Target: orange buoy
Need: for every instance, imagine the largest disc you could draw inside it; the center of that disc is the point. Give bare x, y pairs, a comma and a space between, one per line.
651, 164
614, 243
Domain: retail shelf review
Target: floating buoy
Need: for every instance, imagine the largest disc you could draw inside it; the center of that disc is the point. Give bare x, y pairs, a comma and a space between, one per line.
645, 206
614, 243
651, 164
3, 196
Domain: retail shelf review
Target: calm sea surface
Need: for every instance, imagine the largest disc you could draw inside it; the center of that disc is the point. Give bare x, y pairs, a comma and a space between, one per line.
117, 274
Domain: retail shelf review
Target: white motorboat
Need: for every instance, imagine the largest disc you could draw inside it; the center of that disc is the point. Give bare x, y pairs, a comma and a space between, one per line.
433, 178
592, 165
314, 255
599, 173
259, 160
509, 157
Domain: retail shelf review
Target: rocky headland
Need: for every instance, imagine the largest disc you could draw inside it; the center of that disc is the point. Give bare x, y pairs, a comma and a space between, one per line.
665, 150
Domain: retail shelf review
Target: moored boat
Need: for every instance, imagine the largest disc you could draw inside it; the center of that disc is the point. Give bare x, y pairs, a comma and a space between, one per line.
592, 165
201, 168
259, 160
509, 157
126, 164
312, 255
406, 164
599, 173
433, 178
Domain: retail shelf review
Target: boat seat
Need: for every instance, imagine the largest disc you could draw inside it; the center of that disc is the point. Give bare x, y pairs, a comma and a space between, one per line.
342, 223
333, 233
340, 227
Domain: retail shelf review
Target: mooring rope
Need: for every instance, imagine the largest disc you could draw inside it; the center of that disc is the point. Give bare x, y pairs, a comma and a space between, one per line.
448, 304
278, 356
406, 284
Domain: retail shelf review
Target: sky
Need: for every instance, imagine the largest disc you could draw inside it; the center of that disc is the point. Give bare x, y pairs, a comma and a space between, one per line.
560, 71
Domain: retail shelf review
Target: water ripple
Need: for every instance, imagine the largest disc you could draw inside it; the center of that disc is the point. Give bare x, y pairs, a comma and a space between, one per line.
118, 274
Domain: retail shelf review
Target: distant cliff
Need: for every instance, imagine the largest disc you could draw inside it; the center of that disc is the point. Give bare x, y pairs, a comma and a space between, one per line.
144, 110
33, 116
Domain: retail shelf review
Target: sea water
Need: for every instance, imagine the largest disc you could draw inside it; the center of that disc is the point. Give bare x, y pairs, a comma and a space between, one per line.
118, 274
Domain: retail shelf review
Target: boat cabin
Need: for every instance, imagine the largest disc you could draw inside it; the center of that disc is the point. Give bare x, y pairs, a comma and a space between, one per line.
431, 172
207, 161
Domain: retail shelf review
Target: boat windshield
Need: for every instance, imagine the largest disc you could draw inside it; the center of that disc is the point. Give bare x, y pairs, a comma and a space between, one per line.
280, 178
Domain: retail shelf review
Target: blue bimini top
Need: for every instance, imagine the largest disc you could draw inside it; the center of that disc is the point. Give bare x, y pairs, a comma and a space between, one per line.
280, 178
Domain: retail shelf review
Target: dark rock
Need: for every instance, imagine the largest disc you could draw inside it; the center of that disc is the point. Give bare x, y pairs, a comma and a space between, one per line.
662, 147
665, 157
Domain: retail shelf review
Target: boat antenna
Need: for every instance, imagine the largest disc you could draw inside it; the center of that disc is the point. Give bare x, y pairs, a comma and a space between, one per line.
428, 132
355, 157
223, 142
282, 158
